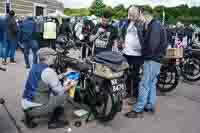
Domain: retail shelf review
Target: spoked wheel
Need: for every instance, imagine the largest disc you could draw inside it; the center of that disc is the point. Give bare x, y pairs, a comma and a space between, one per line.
168, 79
191, 69
107, 105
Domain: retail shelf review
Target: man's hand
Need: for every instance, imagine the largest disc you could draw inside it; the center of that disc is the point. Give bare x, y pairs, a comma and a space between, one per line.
62, 75
116, 44
123, 45
81, 37
94, 37
67, 86
100, 30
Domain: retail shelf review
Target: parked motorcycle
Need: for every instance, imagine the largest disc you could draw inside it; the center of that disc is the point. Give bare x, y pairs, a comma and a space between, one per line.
188, 68
101, 86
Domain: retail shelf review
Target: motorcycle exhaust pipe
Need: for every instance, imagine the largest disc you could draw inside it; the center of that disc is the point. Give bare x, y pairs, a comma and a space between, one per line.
2, 102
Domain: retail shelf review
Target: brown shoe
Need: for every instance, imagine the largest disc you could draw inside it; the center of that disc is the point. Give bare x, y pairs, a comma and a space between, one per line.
4, 62
134, 114
12, 61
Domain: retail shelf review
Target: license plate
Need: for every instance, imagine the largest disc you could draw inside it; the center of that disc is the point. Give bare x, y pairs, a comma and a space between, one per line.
118, 86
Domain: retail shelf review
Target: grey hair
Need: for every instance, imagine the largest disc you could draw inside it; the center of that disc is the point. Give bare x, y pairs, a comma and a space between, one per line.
133, 8
46, 55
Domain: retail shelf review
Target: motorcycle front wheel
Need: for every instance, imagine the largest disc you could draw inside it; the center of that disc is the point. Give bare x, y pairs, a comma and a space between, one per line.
109, 104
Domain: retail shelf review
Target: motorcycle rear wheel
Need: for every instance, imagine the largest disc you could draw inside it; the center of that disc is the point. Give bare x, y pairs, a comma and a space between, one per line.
168, 79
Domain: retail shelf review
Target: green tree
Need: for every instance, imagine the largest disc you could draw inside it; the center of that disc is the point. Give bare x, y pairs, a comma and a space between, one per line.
173, 14
97, 7
147, 8
119, 12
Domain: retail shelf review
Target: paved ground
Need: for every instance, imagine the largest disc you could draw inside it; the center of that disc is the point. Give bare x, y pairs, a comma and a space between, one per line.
177, 112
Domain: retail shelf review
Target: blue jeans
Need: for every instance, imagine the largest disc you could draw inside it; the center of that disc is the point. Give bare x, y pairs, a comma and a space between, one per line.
147, 87
30, 45
3, 46
1, 49
10, 49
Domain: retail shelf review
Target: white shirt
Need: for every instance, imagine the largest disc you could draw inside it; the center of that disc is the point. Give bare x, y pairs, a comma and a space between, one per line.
132, 43
78, 29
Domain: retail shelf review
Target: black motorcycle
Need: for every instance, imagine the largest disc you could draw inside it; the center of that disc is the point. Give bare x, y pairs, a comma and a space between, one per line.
101, 86
188, 68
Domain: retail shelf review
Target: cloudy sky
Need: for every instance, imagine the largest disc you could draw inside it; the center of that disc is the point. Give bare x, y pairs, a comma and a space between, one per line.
87, 3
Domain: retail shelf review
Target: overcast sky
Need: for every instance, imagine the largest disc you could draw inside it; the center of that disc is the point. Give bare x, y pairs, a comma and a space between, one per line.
87, 3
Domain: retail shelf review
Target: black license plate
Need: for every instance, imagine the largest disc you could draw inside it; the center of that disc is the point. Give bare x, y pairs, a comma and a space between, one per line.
118, 86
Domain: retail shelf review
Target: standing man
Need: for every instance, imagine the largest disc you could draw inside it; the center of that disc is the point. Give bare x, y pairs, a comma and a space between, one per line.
189, 33
83, 35
132, 33
78, 28
154, 48
28, 40
104, 35
11, 37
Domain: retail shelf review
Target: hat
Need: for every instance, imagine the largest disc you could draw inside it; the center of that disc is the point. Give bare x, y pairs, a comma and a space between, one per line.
45, 52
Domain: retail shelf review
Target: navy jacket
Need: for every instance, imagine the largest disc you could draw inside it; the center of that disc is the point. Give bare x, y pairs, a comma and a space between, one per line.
27, 28
155, 42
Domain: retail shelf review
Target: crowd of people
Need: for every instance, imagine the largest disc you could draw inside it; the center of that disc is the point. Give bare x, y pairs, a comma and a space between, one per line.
140, 38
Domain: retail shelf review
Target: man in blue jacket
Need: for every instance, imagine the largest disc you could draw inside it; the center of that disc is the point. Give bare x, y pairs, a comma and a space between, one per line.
154, 48
27, 30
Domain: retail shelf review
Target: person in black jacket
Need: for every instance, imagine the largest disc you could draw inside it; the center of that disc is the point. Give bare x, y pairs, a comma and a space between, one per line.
189, 33
154, 48
11, 37
104, 36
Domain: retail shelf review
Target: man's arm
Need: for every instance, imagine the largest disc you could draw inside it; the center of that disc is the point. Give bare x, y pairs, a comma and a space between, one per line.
163, 41
50, 77
115, 37
94, 34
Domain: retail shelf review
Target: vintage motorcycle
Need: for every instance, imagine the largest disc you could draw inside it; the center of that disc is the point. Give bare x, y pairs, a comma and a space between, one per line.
101, 85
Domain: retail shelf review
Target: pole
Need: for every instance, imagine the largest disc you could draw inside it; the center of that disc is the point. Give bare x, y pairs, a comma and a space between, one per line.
163, 21
2, 102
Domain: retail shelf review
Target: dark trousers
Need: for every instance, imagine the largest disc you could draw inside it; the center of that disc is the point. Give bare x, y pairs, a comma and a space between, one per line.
135, 63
